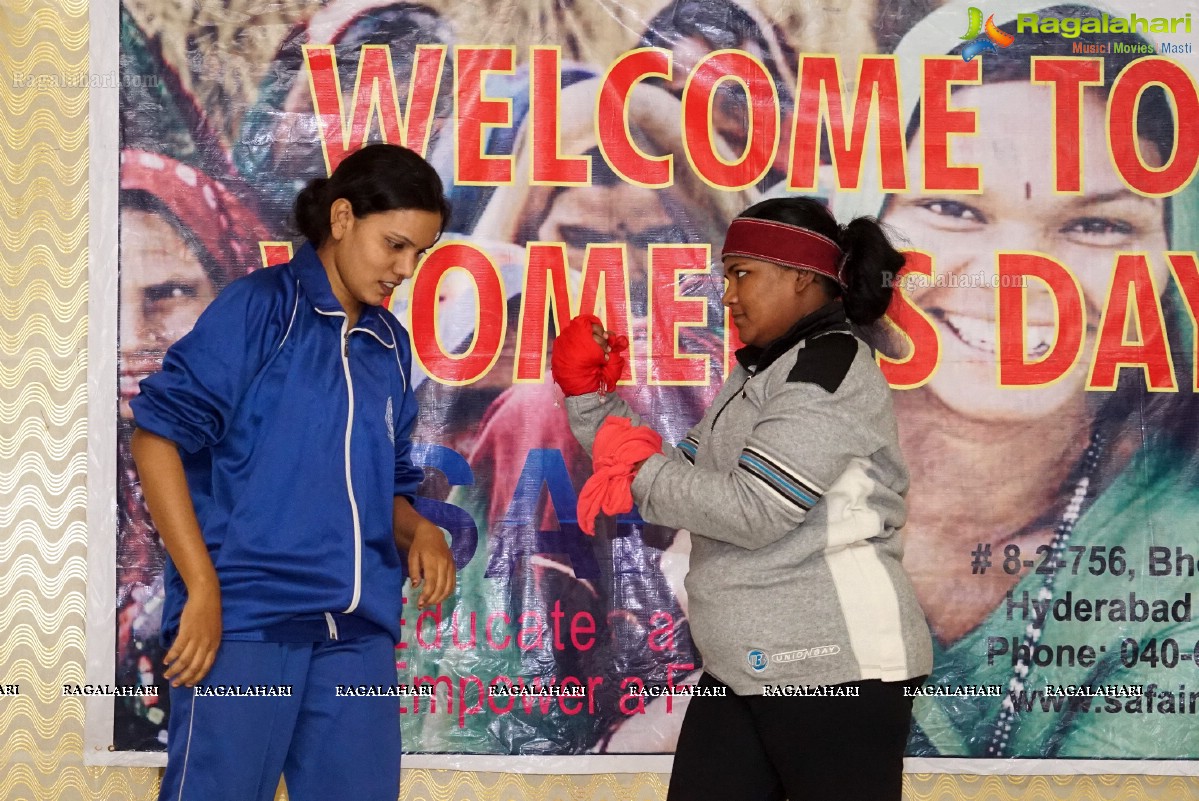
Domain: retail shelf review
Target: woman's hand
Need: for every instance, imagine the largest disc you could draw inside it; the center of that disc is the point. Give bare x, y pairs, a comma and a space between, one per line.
580, 367
601, 338
430, 561
195, 648
431, 566
169, 502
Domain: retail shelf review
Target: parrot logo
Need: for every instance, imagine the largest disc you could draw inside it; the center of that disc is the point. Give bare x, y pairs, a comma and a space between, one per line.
984, 37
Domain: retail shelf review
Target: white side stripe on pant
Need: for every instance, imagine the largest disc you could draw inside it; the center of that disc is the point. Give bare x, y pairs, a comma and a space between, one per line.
187, 751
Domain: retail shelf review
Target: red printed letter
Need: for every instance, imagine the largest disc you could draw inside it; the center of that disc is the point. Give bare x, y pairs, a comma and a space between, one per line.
1186, 273
939, 121
622, 154
548, 164
489, 329
545, 286
700, 138
1180, 165
474, 111
1070, 323
606, 295
924, 343
1067, 76
374, 92
820, 90
669, 312
1132, 281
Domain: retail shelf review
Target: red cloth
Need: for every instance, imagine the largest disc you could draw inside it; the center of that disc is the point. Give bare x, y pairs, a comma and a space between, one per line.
578, 362
784, 244
226, 228
619, 447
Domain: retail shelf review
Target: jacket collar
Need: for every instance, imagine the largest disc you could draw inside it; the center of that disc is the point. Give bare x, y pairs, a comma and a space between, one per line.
314, 282
828, 318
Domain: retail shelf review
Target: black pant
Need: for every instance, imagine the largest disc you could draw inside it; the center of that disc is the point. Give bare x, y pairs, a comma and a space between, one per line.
759, 748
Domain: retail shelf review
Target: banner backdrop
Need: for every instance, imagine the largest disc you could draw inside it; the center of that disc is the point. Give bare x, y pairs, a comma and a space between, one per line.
1036, 162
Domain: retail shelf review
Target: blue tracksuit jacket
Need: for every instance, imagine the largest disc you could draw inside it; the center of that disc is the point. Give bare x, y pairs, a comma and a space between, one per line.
294, 433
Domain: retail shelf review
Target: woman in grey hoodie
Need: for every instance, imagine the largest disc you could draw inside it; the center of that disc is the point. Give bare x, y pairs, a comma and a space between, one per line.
792, 487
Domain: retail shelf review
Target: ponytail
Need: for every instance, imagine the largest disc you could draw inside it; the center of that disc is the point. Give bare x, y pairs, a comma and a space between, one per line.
871, 265
312, 211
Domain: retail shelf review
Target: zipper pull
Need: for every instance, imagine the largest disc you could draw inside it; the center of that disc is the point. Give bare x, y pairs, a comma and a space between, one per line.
346, 341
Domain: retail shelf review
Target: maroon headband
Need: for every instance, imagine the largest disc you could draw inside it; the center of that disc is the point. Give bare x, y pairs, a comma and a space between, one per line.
788, 245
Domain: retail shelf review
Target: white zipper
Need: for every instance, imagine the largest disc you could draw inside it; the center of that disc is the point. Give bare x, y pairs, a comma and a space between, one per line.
332, 624
345, 365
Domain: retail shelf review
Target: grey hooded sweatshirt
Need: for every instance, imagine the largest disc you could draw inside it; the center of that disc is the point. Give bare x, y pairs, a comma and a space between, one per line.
792, 487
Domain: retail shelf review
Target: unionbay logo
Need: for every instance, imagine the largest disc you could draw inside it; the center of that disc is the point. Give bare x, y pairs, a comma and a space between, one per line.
986, 36
759, 661
806, 653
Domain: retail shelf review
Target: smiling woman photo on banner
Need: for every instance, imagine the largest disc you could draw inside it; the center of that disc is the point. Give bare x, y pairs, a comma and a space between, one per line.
1034, 508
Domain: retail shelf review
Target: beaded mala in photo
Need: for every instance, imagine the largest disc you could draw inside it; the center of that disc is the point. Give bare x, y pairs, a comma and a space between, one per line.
1032, 635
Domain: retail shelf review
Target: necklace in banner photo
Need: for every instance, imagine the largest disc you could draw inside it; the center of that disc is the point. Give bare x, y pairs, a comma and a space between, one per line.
1083, 488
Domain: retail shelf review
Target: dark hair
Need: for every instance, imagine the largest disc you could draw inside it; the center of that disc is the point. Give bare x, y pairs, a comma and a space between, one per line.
722, 25
375, 179
403, 27
870, 260
279, 165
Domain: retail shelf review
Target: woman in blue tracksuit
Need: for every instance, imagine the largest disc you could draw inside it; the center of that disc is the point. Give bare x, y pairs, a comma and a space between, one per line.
274, 454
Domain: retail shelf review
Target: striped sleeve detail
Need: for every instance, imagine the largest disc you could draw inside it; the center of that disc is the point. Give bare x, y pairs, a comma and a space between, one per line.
787, 483
689, 447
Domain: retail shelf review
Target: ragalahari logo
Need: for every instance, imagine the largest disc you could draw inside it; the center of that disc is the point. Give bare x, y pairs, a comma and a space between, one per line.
985, 37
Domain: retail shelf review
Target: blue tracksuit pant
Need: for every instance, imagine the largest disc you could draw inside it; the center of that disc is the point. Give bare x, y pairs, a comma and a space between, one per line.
234, 748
